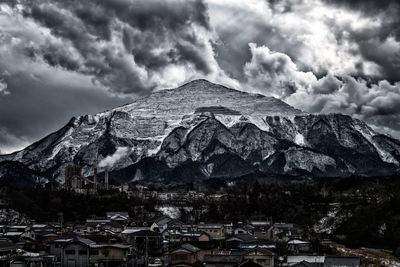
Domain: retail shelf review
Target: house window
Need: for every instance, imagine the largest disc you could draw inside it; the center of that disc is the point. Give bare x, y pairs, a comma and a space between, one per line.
70, 252
82, 252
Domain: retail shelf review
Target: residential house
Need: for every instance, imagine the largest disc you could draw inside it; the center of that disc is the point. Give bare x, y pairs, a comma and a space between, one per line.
130, 230
44, 232
215, 231
186, 254
323, 261
261, 256
284, 231
243, 229
314, 260
120, 217
161, 224
200, 236
80, 252
145, 241
113, 226
297, 246
236, 240
106, 227
260, 230
84, 229
19, 232
258, 244
57, 246
179, 236
77, 253
109, 254
220, 260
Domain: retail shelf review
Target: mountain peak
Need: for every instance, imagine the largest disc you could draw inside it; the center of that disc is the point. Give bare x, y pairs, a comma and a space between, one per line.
188, 98
198, 82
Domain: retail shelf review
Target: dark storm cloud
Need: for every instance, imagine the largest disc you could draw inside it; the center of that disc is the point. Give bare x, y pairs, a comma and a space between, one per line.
375, 44
151, 15
123, 44
370, 6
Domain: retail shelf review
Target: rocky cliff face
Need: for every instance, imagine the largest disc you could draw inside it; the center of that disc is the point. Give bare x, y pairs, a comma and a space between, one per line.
202, 130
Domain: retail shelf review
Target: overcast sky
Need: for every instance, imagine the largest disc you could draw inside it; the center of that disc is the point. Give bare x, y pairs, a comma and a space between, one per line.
61, 58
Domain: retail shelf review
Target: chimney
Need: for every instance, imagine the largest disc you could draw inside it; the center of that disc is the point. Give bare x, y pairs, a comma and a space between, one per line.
106, 179
95, 179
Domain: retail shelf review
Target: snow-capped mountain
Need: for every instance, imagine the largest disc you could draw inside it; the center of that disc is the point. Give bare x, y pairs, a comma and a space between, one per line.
202, 130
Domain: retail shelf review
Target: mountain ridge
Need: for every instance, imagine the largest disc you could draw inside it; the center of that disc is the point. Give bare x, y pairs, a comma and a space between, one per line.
210, 131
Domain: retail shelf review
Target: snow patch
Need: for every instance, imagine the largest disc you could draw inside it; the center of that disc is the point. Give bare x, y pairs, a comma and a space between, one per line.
228, 120
299, 139
154, 151
260, 123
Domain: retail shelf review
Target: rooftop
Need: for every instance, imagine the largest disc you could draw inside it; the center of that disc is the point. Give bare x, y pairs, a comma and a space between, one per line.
222, 258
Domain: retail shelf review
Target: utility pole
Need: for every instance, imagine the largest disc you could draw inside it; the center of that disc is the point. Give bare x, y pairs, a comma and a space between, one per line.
61, 219
95, 179
146, 257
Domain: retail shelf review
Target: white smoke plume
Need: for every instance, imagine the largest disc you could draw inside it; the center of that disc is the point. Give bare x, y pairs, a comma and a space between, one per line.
110, 160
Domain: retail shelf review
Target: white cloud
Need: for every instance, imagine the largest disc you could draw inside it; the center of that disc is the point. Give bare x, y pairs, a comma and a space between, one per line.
275, 74
318, 36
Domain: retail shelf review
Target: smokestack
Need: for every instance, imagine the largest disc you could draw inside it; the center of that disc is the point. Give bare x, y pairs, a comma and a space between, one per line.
106, 179
95, 179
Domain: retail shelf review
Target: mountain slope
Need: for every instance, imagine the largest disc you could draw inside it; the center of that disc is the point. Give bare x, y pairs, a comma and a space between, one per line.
202, 130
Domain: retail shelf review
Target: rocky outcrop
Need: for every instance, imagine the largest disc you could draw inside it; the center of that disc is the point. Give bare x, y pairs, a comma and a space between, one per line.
202, 130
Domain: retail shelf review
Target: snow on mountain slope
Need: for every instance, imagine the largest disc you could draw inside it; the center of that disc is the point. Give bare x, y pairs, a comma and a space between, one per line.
202, 130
